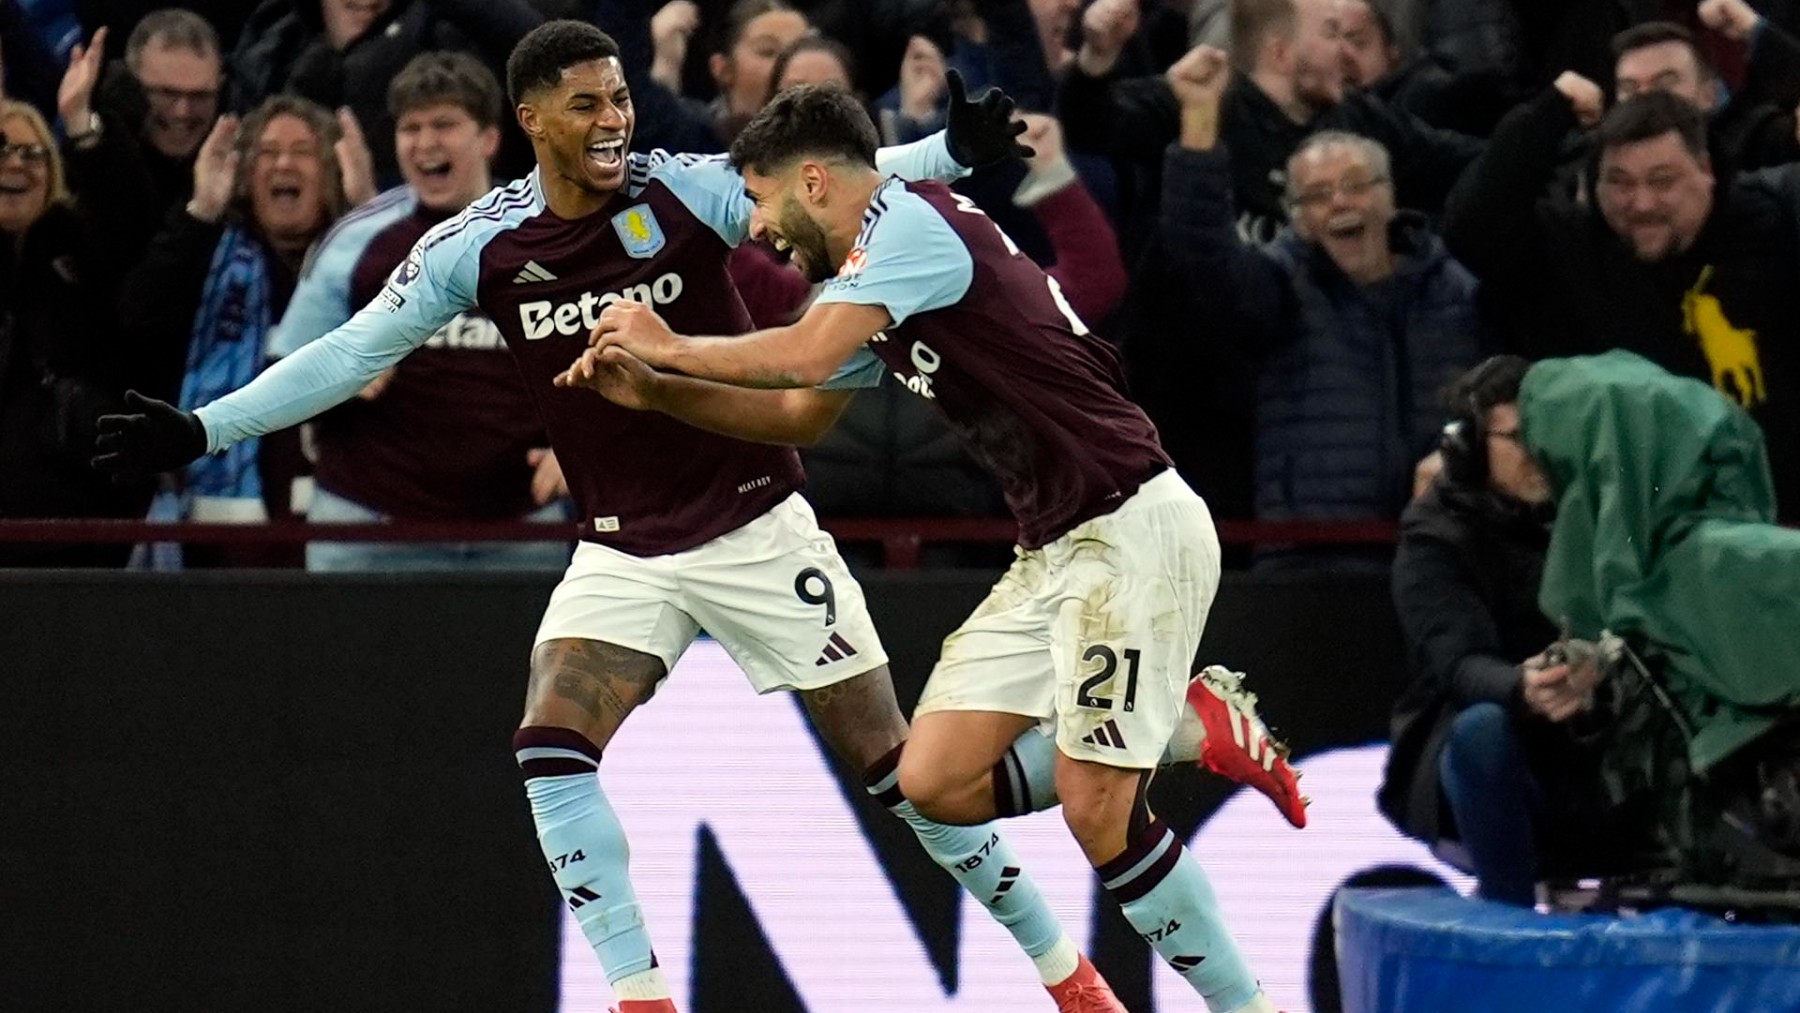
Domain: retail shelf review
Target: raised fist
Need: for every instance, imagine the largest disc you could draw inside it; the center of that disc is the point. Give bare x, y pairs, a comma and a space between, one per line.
1199, 77
1733, 19
1586, 99
1105, 29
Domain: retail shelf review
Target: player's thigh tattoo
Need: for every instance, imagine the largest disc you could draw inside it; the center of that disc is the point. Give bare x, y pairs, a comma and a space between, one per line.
604, 680
859, 717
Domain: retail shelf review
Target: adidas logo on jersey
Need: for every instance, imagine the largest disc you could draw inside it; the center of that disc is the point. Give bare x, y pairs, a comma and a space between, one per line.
542, 318
1106, 735
532, 271
836, 649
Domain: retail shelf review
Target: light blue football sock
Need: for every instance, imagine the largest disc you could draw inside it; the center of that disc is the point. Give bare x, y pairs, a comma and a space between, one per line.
585, 846
1166, 897
1025, 777
983, 863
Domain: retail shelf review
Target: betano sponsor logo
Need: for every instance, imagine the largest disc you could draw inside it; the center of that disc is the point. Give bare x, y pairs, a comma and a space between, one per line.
542, 318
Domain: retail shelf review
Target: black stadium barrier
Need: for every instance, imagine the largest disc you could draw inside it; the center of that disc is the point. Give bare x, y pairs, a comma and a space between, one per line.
262, 792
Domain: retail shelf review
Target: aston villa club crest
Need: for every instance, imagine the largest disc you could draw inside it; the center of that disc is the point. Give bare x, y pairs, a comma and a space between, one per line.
854, 263
639, 232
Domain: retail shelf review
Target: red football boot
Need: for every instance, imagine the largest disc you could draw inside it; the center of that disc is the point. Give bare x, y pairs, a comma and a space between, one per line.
1238, 745
645, 1006
1085, 992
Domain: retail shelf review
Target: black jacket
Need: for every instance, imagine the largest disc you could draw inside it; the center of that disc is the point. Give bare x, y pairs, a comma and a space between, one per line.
120, 178
284, 49
1557, 281
1135, 120
1467, 102
1197, 387
1755, 128
63, 363
1465, 584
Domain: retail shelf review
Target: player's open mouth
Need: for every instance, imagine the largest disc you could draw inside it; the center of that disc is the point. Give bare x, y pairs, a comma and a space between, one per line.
607, 154
434, 170
14, 187
782, 246
285, 194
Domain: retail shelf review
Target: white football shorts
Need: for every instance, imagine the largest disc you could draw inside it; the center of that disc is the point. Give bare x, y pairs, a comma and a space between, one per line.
1094, 634
774, 593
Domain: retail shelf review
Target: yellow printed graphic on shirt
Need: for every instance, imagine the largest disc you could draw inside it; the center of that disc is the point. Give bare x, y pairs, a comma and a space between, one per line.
1730, 350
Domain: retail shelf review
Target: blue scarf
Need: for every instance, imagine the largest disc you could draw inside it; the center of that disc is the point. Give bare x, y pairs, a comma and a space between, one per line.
225, 352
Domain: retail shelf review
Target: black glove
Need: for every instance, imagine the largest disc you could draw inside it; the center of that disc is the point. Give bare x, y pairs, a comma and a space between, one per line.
160, 437
981, 132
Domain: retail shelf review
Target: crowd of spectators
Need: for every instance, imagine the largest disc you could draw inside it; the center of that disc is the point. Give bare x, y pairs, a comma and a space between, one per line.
1297, 220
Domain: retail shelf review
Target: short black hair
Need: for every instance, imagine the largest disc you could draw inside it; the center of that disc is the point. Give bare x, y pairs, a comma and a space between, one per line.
1653, 33
540, 58
1495, 381
807, 119
446, 78
1651, 115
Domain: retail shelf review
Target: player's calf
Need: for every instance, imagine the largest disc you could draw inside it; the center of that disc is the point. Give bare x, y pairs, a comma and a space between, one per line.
1160, 888
983, 863
592, 686
956, 767
587, 853
861, 720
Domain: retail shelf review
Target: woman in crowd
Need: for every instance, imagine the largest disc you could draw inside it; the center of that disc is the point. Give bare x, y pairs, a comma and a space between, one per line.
750, 39
220, 274
61, 364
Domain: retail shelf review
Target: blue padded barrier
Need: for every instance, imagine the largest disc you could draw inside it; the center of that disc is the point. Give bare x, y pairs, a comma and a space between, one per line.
1426, 950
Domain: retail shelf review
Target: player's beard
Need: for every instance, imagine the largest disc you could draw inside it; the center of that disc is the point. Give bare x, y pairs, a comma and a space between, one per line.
807, 238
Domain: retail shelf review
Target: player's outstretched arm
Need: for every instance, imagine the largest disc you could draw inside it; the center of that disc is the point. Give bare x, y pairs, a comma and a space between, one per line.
805, 353
977, 132
796, 417
325, 373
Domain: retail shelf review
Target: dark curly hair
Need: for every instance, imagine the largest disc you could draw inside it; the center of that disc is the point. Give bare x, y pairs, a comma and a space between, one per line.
821, 120
540, 58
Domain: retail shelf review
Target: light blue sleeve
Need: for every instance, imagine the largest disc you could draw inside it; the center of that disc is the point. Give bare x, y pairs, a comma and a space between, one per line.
708, 186
859, 372
321, 300
437, 281
927, 158
908, 260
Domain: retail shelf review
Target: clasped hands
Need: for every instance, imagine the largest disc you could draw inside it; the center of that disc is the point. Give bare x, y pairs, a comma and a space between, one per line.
624, 348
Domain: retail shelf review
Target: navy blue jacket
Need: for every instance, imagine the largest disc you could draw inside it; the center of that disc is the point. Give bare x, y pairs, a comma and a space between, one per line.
1348, 377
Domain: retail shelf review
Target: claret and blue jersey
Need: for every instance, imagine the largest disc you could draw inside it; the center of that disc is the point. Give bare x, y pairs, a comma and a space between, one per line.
986, 335
647, 483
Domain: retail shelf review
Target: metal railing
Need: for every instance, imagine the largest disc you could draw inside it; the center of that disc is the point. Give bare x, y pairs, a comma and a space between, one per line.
902, 540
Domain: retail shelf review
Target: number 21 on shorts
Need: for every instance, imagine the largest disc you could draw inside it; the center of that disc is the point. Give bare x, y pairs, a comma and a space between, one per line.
1108, 658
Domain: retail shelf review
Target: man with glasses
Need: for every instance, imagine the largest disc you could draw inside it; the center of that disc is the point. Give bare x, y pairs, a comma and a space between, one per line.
1355, 317
1669, 256
133, 131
